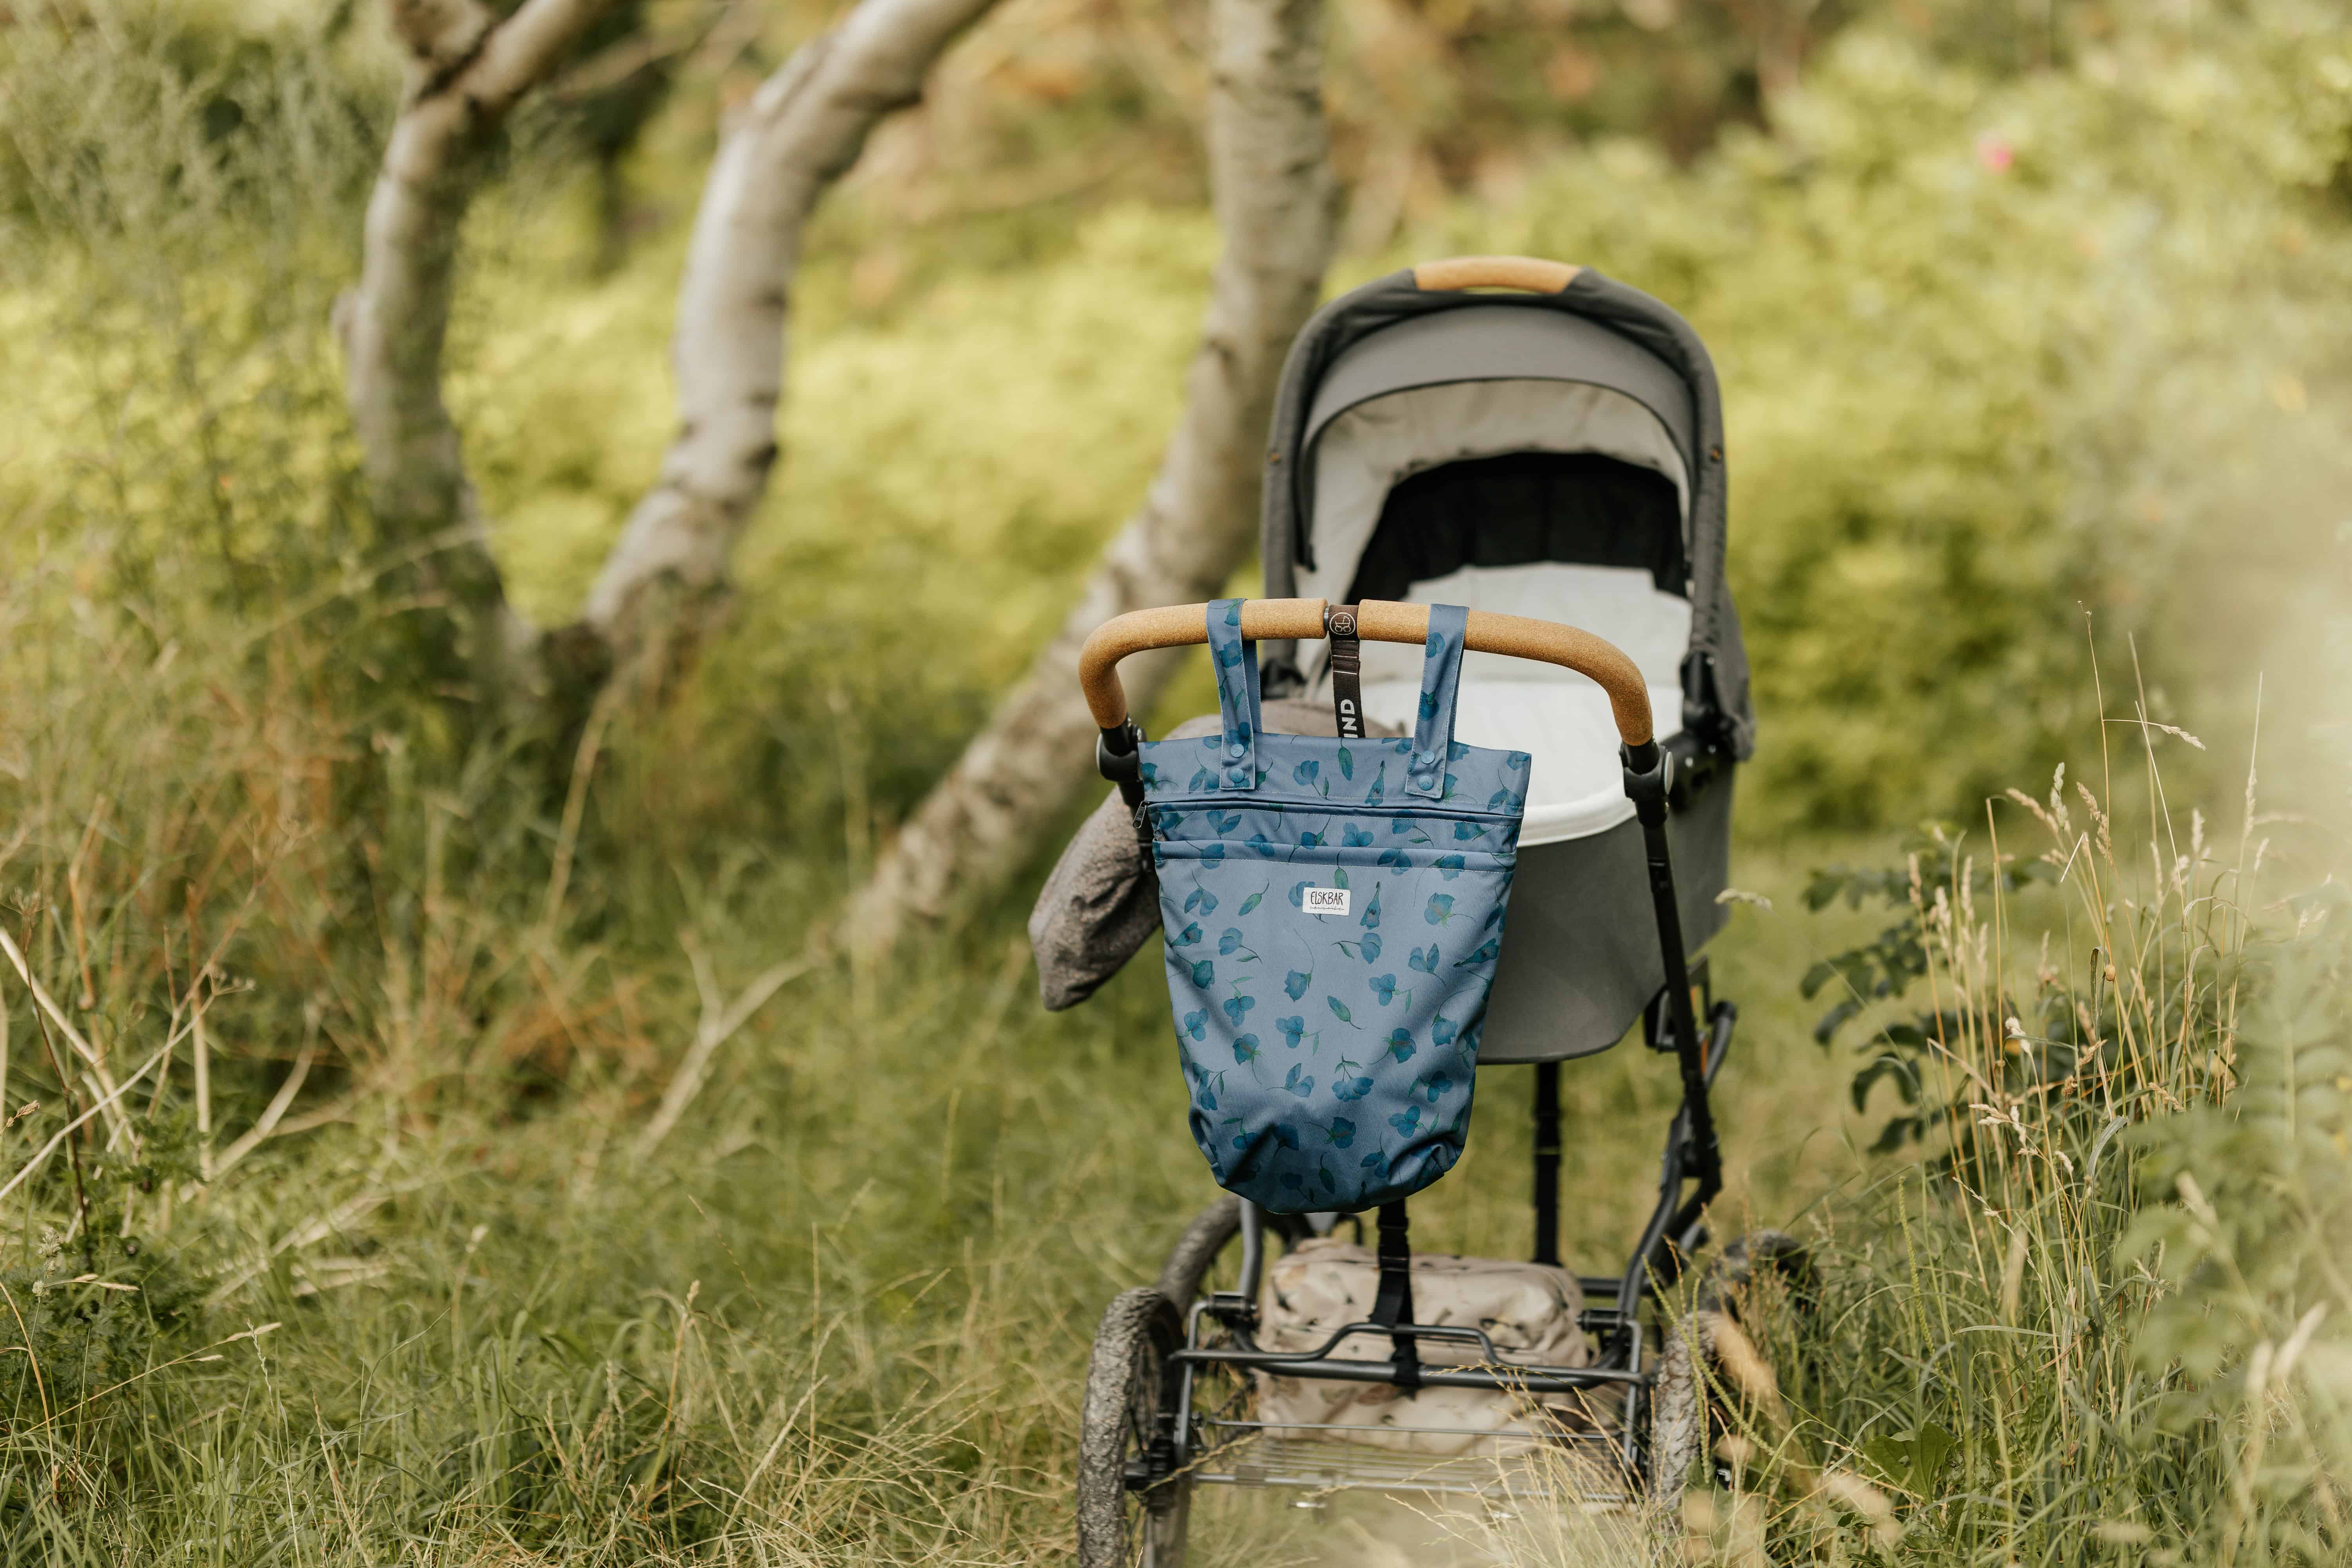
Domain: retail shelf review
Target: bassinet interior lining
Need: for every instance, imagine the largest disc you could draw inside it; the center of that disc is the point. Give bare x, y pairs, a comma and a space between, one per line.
1561, 719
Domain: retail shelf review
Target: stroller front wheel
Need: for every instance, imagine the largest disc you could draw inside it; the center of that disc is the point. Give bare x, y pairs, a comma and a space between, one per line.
1699, 1399
1133, 1501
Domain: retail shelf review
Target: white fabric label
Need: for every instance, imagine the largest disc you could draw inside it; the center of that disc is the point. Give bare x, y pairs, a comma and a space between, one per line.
1323, 900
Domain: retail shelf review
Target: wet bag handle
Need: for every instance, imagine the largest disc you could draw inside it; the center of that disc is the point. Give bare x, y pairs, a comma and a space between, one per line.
1377, 620
1233, 657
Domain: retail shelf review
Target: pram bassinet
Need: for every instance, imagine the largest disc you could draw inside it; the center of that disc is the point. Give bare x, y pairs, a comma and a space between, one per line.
1557, 454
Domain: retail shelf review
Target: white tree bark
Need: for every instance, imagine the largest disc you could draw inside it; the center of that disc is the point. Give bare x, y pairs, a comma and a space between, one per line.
666, 577
1275, 200
467, 69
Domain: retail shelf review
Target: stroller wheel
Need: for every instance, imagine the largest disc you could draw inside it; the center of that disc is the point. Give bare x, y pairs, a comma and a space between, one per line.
1133, 1501
1196, 1251
1717, 1394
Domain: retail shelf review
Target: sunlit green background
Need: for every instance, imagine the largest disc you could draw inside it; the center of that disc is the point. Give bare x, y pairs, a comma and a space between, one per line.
2033, 326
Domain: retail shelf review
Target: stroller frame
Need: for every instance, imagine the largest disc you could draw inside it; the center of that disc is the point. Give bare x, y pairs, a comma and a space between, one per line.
1183, 1443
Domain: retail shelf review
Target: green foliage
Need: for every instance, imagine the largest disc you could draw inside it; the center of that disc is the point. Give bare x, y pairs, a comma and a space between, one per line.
1995, 352
2108, 1034
2031, 1352
448, 1309
2249, 1221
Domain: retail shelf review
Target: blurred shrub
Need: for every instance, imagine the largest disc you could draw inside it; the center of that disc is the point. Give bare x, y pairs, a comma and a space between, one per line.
1997, 355
2249, 1221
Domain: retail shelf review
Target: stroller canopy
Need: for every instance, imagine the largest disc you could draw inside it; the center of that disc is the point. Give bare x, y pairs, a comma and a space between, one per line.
1557, 454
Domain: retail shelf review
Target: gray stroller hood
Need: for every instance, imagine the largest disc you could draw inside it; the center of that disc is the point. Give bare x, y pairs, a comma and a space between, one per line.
1624, 350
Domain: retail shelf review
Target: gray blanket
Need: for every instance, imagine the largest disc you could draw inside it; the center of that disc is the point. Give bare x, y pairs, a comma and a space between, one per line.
1102, 901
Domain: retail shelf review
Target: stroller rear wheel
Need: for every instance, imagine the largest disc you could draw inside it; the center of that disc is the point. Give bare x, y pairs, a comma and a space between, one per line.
1706, 1388
1133, 1504
1195, 1253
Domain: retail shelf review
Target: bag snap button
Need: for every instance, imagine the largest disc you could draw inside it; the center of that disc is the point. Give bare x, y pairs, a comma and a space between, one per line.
1237, 751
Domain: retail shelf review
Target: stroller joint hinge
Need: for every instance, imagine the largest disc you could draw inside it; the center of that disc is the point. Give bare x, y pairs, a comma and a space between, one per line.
1649, 779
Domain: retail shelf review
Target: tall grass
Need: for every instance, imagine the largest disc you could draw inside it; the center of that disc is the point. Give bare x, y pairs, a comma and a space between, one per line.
2095, 1319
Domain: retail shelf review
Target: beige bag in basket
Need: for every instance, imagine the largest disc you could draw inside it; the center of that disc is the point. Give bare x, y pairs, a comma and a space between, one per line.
1528, 1310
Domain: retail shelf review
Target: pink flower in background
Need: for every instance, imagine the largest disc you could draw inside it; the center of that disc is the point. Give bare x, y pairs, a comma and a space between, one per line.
1995, 153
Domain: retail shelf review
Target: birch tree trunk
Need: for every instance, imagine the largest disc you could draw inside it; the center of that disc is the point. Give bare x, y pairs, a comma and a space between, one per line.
467, 69
1276, 199
666, 579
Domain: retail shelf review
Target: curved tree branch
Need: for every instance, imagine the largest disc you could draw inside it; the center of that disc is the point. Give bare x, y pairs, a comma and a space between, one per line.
666, 578
1276, 199
467, 69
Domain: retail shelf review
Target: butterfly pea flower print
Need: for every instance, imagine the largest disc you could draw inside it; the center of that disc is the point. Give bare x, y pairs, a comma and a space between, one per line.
1295, 812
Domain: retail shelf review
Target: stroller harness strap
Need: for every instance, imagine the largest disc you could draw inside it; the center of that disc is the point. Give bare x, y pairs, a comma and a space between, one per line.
1327, 1074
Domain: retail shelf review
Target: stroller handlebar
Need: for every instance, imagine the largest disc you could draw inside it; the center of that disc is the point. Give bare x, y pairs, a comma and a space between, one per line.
1528, 274
1377, 620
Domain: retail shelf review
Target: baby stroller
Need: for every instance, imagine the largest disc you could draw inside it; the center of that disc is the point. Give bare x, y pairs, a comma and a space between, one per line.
1544, 447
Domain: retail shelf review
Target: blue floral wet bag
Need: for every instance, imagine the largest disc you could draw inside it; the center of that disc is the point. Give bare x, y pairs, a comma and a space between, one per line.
1333, 908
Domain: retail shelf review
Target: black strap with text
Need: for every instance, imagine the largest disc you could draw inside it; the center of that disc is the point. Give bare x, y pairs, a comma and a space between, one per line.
1347, 673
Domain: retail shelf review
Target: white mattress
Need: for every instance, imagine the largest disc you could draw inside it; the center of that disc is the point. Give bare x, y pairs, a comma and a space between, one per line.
1578, 788
1556, 716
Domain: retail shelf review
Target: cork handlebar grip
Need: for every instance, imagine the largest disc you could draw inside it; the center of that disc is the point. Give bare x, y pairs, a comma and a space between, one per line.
1527, 272
1520, 636
1380, 620
1177, 625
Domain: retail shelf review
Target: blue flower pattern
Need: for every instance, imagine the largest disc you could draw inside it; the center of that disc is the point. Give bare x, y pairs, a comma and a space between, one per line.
1397, 1058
